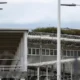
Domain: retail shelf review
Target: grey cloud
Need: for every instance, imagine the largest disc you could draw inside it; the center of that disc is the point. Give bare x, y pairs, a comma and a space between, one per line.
39, 14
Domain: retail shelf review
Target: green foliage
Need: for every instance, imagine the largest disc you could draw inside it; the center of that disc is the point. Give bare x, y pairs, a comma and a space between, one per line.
54, 30
47, 30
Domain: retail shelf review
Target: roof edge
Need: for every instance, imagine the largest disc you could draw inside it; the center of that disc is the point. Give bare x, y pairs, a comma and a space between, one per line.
14, 29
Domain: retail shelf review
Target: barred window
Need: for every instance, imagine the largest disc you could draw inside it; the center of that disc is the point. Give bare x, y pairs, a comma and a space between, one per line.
75, 53
47, 51
64, 53
37, 51
51, 52
55, 52
43, 51
78, 53
33, 51
72, 53
68, 53
29, 51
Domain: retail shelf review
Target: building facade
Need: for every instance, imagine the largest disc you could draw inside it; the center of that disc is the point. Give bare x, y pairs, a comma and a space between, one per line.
33, 56
42, 56
13, 53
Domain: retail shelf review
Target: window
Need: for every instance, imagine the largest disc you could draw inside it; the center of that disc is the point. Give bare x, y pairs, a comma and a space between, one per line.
68, 53
78, 53
29, 51
33, 51
51, 52
43, 51
72, 54
47, 51
64, 53
55, 52
37, 51
75, 53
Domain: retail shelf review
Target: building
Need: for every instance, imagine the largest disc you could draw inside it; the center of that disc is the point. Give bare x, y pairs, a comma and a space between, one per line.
32, 56
13, 53
42, 56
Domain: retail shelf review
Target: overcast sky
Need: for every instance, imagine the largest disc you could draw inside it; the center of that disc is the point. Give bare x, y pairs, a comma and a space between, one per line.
39, 13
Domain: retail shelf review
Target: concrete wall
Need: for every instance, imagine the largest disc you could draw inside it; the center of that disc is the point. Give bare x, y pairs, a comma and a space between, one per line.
21, 54
36, 59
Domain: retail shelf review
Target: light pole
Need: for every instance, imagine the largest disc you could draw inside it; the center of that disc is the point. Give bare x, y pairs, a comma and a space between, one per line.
73, 5
59, 44
59, 38
2, 3
1, 8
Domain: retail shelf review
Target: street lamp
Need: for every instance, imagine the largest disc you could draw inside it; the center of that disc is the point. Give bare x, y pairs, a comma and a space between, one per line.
2, 3
1, 8
59, 38
73, 5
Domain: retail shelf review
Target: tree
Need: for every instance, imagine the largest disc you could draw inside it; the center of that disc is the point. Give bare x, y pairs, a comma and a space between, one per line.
54, 30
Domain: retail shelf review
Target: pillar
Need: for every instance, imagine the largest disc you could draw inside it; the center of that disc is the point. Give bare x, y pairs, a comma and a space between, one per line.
38, 73
63, 71
25, 51
71, 71
46, 72
22, 79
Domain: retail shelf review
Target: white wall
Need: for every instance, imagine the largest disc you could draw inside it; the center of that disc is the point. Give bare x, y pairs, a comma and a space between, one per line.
21, 54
